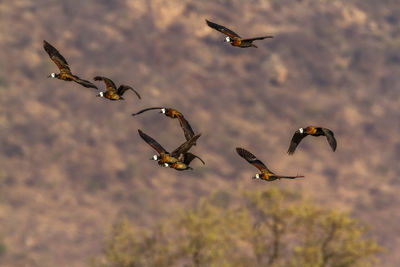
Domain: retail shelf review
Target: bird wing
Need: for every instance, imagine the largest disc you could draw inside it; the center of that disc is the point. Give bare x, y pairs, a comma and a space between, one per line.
286, 177
257, 38
222, 29
84, 83
187, 129
182, 149
330, 137
296, 139
144, 110
153, 143
122, 89
188, 157
253, 160
57, 58
109, 83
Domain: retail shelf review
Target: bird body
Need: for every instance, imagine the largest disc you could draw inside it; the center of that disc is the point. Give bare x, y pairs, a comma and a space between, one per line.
112, 93
180, 154
62, 64
174, 114
313, 131
265, 173
233, 38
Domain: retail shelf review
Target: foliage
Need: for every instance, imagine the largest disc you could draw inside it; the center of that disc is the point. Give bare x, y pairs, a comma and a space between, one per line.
268, 228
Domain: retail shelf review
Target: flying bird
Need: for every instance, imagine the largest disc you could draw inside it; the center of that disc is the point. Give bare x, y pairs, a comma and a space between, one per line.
112, 92
233, 38
173, 113
184, 164
165, 158
65, 71
265, 174
314, 131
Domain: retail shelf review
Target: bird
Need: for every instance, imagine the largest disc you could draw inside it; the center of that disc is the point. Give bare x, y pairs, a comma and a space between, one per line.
233, 38
112, 92
65, 71
184, 164
314, 131
165, 158
265, 174
173, 113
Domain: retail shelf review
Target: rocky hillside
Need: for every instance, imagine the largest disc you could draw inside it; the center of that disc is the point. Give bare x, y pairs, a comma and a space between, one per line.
70, 163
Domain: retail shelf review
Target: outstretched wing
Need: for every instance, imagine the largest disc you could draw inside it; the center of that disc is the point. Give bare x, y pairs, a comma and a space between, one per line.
189, 157
109, 83
187, 129
253, 160
122, 89
222, 29
182, 149
330, 137
57, 58
144, 110
286, 177
257, 38
296, 139
153, 143
84, 83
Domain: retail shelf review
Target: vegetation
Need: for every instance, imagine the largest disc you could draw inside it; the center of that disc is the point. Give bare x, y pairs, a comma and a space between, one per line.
268, 228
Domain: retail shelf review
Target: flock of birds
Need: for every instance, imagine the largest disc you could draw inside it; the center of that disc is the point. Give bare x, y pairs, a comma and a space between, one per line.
180, 158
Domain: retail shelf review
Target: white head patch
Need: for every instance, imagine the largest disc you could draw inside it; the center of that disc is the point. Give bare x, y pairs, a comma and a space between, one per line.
101, 94
257, 176
301, 130
53, 75
227, 39
163, 110
155, 157
166, 164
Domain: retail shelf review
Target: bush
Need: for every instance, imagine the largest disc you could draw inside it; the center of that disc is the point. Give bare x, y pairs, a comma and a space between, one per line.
268, 228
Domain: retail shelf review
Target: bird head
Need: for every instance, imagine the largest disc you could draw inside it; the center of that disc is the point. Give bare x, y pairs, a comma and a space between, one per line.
227, 39
301, 130
101, 94
163, 110
52, 75
166, 165
155, 158
257, 176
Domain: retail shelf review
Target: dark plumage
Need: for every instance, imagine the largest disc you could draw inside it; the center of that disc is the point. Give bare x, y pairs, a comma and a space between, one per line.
233, 38
265, 174
65, 71
179, 155
112, 92
314, 131
173, 113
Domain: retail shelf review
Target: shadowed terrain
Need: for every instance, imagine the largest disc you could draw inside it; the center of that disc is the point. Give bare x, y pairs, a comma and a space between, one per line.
71, 163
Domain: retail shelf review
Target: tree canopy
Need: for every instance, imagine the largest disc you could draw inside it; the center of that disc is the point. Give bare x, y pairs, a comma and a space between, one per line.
266, 228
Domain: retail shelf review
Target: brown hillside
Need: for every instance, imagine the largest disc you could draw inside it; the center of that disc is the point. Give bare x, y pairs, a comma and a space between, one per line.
70, 163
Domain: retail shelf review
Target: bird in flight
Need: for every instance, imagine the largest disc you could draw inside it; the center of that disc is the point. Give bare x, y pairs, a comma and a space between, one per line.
65, 71
314, 131
265, 174
179, 155
112, 92
182, 165
173, 113
233, 38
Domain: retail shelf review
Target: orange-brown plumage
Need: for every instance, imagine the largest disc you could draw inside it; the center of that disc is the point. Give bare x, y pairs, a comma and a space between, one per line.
265, 174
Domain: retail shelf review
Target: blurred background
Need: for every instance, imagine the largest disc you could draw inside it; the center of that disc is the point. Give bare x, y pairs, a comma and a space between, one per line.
71, 163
